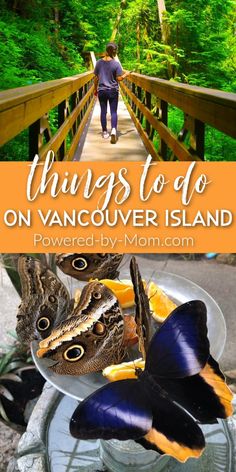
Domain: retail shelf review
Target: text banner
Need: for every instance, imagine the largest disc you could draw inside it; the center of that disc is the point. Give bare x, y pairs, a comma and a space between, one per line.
117, 207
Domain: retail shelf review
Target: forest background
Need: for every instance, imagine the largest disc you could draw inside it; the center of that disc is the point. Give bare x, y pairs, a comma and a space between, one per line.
181, 40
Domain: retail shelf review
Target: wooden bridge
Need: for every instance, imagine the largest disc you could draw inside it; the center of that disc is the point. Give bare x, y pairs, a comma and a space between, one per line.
143, 119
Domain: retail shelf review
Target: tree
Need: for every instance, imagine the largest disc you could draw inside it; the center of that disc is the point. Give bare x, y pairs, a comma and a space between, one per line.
123, 5
162, 17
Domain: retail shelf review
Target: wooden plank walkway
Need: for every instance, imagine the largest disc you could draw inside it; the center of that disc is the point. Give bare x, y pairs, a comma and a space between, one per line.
93, 147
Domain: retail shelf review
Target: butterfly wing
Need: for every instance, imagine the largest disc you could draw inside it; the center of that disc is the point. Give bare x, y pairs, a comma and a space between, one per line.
180, 348
215, 380
142, 311
45, 300
205, 395
173, 431
116, 411
126, 410
91, 338
84, 266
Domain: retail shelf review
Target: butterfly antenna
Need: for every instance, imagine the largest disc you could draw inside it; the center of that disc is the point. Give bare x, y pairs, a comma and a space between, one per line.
153, 295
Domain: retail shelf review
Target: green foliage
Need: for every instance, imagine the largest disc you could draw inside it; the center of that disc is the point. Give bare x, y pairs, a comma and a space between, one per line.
200, 50
141, 50
17, 149
16, 366
219, 147
15, 357
200, 47
32, 52
42, 41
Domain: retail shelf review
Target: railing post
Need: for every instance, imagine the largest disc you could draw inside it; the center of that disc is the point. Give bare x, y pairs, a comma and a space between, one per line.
85, 91
61, 119
196, 129
164, 120
129, 86
81, 113
73, 105
139, 95
34, 133
148, 105
134, 92
91, 84
198, 139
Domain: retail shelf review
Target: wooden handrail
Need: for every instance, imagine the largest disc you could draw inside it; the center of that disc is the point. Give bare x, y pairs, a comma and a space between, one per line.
16, 96
200, 106
26, 107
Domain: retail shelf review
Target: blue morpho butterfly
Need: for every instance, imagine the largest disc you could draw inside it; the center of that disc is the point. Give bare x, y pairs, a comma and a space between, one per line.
180, 379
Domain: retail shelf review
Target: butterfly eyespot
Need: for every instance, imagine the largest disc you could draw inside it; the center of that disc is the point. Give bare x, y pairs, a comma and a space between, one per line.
99, 328
79, 263
51, 298
43, 308
74, 353
97, 295
43, 323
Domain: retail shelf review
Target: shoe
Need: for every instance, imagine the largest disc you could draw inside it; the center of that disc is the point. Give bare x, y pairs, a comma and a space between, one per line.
105, 135
113, 136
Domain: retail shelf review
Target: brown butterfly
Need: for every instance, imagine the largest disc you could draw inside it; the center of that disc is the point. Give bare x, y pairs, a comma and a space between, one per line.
45, 300
84, 266
92, 338
97, 333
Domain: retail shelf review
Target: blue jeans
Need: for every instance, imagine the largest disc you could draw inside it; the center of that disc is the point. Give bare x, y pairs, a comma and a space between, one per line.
104, 97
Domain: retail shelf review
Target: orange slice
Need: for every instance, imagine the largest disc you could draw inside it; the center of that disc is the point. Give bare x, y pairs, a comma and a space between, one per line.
160, 304
126, 370
123, 290
130, 333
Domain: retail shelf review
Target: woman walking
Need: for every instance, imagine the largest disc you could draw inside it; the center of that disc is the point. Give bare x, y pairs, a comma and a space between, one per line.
108, 74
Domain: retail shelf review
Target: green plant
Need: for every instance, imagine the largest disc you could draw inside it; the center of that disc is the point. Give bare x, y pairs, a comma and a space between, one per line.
19, 383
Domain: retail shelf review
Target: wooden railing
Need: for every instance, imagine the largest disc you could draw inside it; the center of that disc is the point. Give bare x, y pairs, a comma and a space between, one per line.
30, 107
147, 100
